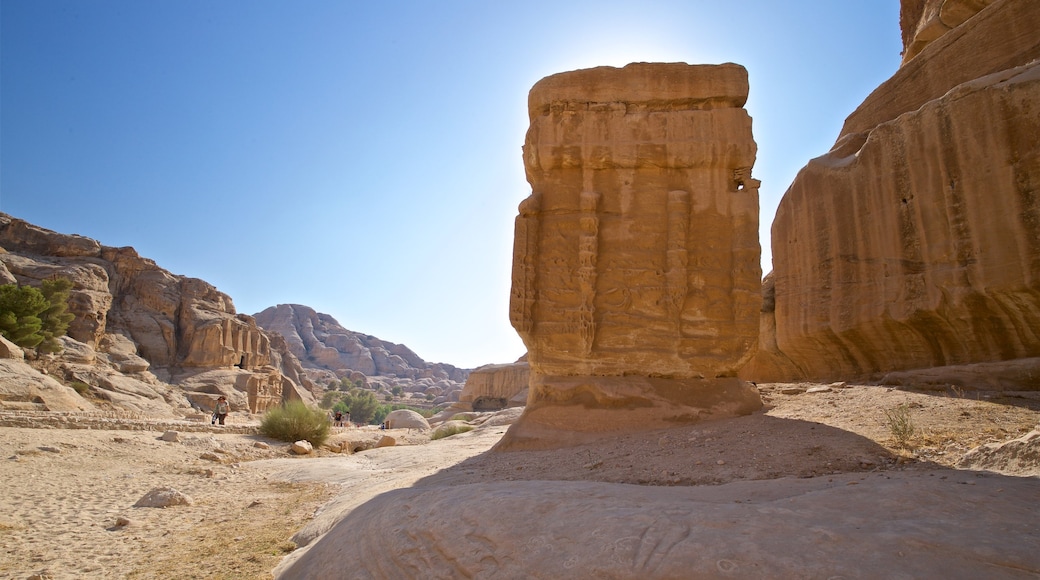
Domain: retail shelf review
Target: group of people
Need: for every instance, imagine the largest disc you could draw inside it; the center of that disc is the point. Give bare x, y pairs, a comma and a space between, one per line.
340, 419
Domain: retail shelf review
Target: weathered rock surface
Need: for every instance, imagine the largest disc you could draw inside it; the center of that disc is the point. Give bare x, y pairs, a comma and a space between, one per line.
321, 343
495, 387
406, 419
915, 242
1019, 457
162, 497
138, 329
914, 525
637, 253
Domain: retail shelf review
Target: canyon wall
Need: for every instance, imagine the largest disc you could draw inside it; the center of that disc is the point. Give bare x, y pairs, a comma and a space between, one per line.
915, 242
138, 328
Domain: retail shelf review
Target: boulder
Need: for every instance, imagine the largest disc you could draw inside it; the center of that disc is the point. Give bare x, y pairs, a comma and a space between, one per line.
406, 419
302, 447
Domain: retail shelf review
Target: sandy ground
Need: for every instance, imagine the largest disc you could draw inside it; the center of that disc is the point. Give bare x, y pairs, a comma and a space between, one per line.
67, 506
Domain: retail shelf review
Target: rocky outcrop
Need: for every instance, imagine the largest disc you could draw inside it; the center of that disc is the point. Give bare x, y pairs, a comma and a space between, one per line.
915, 242
138, 329
636, 277
495, 387
320, 342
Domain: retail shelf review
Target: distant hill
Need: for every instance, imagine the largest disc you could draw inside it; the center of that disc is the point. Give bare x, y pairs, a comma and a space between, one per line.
328, 351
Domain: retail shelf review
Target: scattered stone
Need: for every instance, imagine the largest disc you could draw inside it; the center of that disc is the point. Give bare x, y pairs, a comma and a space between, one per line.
171, 436
818, 390
302, 447
386, 441
261, 445
255, 503
840, 385
210, 456
162, 497
49, 449
792, 390
122, 522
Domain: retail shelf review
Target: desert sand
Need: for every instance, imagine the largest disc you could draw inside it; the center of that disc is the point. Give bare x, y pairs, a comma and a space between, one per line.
67, 507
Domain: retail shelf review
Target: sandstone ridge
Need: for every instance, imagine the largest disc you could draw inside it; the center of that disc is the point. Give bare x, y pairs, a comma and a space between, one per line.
328, 351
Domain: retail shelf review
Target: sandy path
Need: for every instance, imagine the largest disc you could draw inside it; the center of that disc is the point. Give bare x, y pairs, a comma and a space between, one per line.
64, 490
365, 475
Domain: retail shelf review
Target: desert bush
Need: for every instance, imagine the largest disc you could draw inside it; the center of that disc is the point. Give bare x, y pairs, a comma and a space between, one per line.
901, 424
449, 430
295, 421
80, 387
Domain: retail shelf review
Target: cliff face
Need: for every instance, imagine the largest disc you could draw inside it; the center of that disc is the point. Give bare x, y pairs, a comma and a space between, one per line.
496, 387
915, 242
328, 350
137, 327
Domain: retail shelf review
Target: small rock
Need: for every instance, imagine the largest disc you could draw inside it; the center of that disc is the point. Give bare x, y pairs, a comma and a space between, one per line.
819, 390
720, 462
261, 445
841, 385
162, 497
49, 449
256, 503
122, 522
302, 447
792, 390
210, 456
386, 441
171, 436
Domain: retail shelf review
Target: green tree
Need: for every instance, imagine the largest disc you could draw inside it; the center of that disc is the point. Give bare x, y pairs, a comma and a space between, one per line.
55, 317
361, 404
20, 308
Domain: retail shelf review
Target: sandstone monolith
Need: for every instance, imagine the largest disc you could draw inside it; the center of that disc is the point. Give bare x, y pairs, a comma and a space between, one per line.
636, 276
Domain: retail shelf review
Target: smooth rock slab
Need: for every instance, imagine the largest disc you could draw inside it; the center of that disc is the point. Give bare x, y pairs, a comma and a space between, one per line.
930, 524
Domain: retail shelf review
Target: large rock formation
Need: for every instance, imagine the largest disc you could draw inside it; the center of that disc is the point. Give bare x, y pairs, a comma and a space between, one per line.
915, 242
321, 343
138, 328
495, 387
636, 278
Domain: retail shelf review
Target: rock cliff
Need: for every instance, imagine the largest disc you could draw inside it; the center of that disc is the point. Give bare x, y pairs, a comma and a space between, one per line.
328, 351
496, 387
915, 242
142, 338
636, 281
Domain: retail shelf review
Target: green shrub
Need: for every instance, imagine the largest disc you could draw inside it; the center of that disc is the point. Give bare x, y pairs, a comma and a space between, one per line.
449, 430
295, 421
35, 317
80, 387
901, 424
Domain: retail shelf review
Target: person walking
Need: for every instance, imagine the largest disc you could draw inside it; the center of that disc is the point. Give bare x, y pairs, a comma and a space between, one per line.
220, 412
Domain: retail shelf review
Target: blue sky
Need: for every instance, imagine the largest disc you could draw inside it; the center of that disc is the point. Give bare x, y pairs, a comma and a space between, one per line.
364, 158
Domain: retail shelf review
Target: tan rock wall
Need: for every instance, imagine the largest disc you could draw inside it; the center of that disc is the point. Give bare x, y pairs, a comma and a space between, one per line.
495, 386
637, 251
920, 247
636, 262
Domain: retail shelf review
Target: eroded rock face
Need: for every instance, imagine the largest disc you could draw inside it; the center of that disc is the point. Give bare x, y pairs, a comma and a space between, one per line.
495, 387
637, 252
915, 242
320, 342
138, 327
